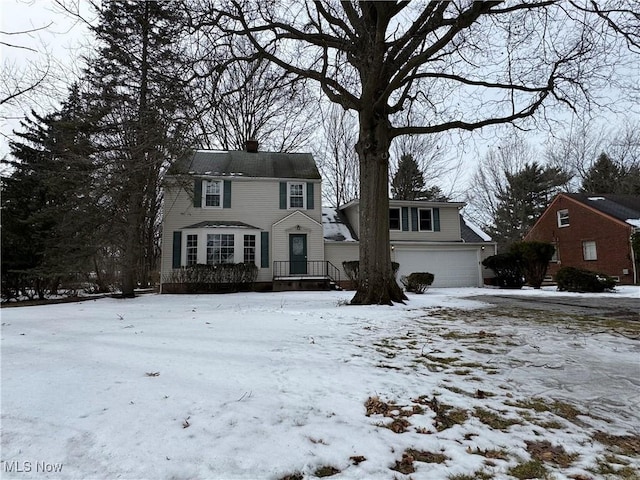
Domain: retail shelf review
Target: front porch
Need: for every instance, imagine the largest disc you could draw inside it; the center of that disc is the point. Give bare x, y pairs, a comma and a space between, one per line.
305, 275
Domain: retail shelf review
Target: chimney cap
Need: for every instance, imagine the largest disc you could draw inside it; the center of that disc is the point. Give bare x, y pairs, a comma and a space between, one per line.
251, 145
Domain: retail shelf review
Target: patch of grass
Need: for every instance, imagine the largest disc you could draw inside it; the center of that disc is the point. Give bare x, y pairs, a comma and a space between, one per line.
405, 465
557, 407
326, 471
486, 351
293, 476
441, 360
426, 457
606, 467
490, 453
479, 475
477, 394
624, 444
494, 419
376, 406
397, 425
461, 372
546, 452
531, 469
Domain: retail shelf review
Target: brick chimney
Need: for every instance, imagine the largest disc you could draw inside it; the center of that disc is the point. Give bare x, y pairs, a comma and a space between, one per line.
252, 145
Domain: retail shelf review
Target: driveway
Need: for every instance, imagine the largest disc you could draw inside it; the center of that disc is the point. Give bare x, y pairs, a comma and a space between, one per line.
618, 308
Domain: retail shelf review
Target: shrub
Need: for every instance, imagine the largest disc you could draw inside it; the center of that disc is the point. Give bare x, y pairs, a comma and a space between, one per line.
417, 282
507, 268
572, 279
231, 277
352, 269
534, 260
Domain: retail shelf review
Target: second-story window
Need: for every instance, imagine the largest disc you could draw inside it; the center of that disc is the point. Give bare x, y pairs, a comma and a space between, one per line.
563, 218
394, 219
296, 195
212, 193
425, 218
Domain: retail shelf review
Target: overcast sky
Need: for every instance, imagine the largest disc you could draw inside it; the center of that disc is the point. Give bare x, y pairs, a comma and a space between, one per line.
61, 41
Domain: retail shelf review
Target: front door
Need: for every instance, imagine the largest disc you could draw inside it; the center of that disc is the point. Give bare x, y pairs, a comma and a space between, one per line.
298, 254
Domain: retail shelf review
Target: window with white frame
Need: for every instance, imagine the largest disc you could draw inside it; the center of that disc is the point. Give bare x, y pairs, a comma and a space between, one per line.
589, 250
212, 192
563, 218
220, 248
250, 249
192, 249
394, 219
425, 220
296, 195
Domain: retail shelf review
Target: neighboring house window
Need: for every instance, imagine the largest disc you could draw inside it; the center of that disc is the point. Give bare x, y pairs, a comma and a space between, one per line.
296, 195
394, 219
212, 193
425, 220
220, 248
250, 249
563, 218
192, 249
589, 250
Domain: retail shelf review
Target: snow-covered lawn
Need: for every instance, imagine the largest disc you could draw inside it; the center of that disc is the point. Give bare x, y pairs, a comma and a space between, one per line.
297, 385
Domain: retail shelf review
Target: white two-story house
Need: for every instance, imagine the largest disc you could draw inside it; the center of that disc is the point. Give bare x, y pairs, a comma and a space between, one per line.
265, 208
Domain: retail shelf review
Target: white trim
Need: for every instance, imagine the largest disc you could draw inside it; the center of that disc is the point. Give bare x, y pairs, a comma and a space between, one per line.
203, 202
561, 214
304, 195
399, 209
431, 215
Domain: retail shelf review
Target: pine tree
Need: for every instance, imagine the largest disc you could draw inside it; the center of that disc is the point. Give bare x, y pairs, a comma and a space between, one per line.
603, 177
408, 182
526, 195
50, 218
139, 96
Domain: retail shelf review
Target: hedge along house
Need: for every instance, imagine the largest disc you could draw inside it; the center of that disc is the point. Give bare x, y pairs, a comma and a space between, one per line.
592, 232
265, 208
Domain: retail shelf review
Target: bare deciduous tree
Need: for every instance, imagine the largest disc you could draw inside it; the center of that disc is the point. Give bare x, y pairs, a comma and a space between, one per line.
466, 65
338, 159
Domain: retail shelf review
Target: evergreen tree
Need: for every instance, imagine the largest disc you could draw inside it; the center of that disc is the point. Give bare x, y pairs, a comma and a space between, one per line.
608, 176
408, 182
50, 219
603, 177
520, 203
139, 96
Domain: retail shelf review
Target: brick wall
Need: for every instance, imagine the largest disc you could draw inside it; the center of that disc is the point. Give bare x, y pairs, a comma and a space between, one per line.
585, 224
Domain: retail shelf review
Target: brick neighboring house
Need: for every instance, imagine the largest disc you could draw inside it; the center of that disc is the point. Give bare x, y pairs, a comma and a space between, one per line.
592, 232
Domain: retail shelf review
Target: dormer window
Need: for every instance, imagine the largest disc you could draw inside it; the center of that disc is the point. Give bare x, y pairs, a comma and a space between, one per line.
563, 218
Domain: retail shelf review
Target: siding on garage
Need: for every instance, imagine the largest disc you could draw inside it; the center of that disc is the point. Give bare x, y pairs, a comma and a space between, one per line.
452, 267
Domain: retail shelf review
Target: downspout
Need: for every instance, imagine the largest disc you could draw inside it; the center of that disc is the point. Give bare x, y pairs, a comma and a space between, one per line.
633, 256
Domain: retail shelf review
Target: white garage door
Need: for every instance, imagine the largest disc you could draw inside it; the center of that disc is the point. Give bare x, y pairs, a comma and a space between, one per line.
452, 268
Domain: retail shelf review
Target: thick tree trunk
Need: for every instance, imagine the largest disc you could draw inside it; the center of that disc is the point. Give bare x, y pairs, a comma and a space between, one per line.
377, 284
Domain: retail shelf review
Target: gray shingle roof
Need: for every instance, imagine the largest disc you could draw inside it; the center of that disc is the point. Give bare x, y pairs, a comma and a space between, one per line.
220, 163
220, 224
468, 234
622, 207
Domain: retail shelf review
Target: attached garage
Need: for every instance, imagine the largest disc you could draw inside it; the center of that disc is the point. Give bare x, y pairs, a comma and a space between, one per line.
452, 267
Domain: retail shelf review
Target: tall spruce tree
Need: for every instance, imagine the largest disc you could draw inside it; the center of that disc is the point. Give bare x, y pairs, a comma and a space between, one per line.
603, 177
49, 214
408, 181
138, 93
525, 196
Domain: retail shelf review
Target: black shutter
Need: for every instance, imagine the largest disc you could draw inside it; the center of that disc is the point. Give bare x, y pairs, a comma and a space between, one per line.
309, 196
264, 249
283, 195
197, 193
414, 219
436, 219
226, 191
405, 219
177, 249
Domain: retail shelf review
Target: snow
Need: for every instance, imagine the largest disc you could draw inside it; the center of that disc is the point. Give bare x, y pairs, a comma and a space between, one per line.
262, 385
595, 199
634, 222
477, 230
333, 228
